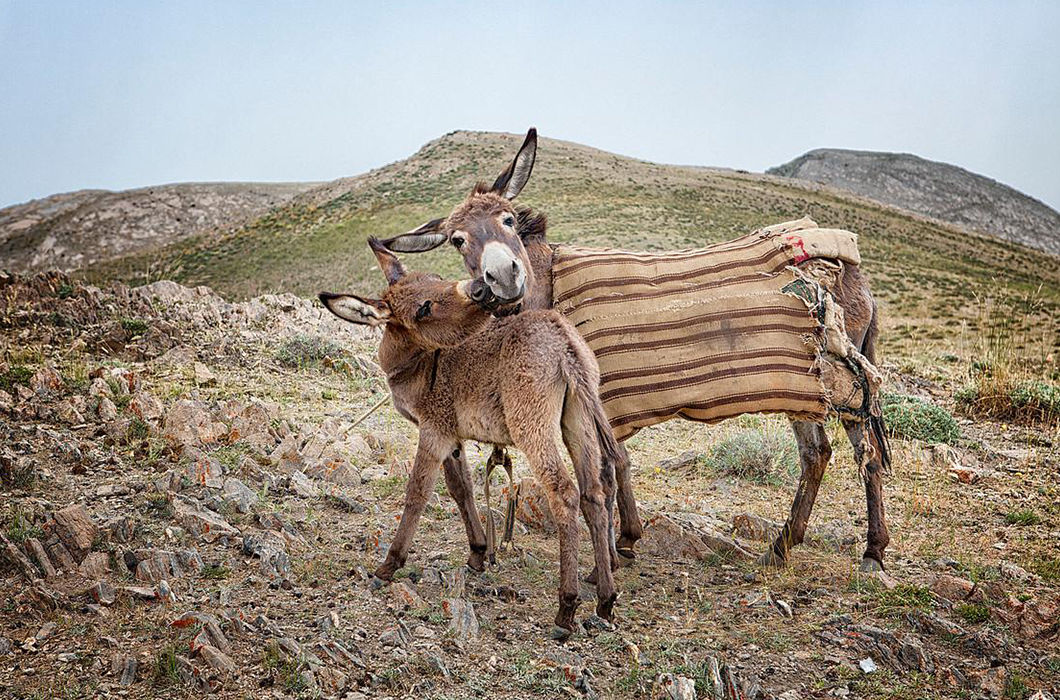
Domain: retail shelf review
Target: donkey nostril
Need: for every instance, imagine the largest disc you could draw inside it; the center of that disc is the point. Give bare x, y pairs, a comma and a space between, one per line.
515, 265
490, 278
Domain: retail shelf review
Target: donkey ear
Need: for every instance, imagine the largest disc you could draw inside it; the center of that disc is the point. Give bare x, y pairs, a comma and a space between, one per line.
418, 240
388, 262
511, 182
369, 312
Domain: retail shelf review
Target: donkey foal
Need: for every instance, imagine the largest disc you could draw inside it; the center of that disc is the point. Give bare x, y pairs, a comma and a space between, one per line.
525, 381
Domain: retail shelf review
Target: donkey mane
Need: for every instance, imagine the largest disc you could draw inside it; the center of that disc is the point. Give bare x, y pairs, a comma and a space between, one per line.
532, 224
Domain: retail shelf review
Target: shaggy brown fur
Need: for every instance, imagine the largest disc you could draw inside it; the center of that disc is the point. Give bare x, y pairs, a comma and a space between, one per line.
477, 216
527, 381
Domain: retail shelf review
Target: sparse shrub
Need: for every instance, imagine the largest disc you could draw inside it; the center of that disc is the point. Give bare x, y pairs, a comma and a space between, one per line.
1025, 517
972, 613
1014, 377
16, 374
915, 419
1046, 567
65, 291
765, 455
1030, 399
138, 429
166, 666
20, 527
285, 669
1015, 687
134, 326
305, 350
216, 571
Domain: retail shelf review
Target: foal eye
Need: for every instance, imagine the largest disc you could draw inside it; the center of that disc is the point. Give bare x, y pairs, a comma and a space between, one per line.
424, 311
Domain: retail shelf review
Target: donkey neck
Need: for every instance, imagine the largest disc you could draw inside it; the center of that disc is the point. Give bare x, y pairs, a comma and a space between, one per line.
539, 251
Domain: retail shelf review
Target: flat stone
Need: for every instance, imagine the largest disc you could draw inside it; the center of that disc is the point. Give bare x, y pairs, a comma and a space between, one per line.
218, 660
76, 529
204, 523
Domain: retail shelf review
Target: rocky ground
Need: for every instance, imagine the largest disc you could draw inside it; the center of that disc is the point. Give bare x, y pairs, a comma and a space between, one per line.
193, 500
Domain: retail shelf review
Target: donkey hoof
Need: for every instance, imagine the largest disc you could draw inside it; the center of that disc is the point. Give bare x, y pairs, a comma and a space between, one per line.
870, 565
375, 583
560, 634
476, 564
626, 553
597, 623
772, 560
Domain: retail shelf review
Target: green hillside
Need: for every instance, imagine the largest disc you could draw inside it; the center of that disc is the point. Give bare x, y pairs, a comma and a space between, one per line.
934, 282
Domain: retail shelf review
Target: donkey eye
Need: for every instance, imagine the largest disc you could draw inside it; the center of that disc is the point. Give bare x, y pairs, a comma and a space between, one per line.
458, 241
424, 311
509, 221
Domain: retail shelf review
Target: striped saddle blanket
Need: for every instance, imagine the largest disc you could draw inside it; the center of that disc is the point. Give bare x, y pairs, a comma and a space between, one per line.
717, 332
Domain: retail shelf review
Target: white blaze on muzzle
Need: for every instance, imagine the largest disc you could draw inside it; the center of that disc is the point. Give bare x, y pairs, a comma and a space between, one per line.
503, 271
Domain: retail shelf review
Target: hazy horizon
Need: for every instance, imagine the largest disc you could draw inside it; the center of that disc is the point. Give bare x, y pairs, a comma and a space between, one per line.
123, 95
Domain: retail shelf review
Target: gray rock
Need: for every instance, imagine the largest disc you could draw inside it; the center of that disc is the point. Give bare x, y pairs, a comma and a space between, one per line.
239, 495
673, 687
303, 485
463, 622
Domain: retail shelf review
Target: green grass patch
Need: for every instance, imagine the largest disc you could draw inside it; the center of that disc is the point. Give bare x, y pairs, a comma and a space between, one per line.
1024, 517
1046, 567
134, 326
972, 613
216, 572
15, 375
1029, 399
20, 526
913, 418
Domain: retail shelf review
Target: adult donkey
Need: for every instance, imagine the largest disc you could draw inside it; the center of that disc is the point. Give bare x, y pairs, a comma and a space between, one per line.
506, 246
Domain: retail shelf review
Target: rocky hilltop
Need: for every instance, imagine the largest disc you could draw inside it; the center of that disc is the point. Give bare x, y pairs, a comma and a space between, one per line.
937, 190
77, 229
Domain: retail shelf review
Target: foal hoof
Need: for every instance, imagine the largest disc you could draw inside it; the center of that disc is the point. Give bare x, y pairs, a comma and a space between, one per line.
870, 565
772, 560
560, 634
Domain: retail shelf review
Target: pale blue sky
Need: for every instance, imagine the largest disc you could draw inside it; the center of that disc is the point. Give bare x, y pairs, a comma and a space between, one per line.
126, 94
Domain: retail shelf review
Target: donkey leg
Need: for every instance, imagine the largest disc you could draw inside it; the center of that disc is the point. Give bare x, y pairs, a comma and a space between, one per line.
458, 481
630, 527
814, 453
418, 490
878, 537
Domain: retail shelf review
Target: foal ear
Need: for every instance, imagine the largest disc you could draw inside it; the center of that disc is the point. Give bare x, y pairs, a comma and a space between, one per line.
418, 240
511, 182
369, 312
388, 262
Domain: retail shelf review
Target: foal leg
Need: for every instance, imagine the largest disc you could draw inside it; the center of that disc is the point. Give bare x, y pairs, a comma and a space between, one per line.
429, 453
878, 537
458, 481
597, 489
629, 525
814, 453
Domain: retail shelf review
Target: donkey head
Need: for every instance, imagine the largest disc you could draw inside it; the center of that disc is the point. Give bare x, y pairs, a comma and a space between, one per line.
434, 313
485, 228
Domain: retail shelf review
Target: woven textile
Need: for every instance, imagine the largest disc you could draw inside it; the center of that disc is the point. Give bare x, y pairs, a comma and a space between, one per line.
704, 334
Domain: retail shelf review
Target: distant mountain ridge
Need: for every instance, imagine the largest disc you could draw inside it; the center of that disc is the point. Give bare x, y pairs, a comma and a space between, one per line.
74, 230
937, 190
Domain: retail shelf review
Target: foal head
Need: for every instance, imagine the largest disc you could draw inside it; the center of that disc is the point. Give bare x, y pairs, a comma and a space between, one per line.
434, 313
487, 230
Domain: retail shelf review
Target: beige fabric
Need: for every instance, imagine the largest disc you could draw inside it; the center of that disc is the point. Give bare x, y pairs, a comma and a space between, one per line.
706, 334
